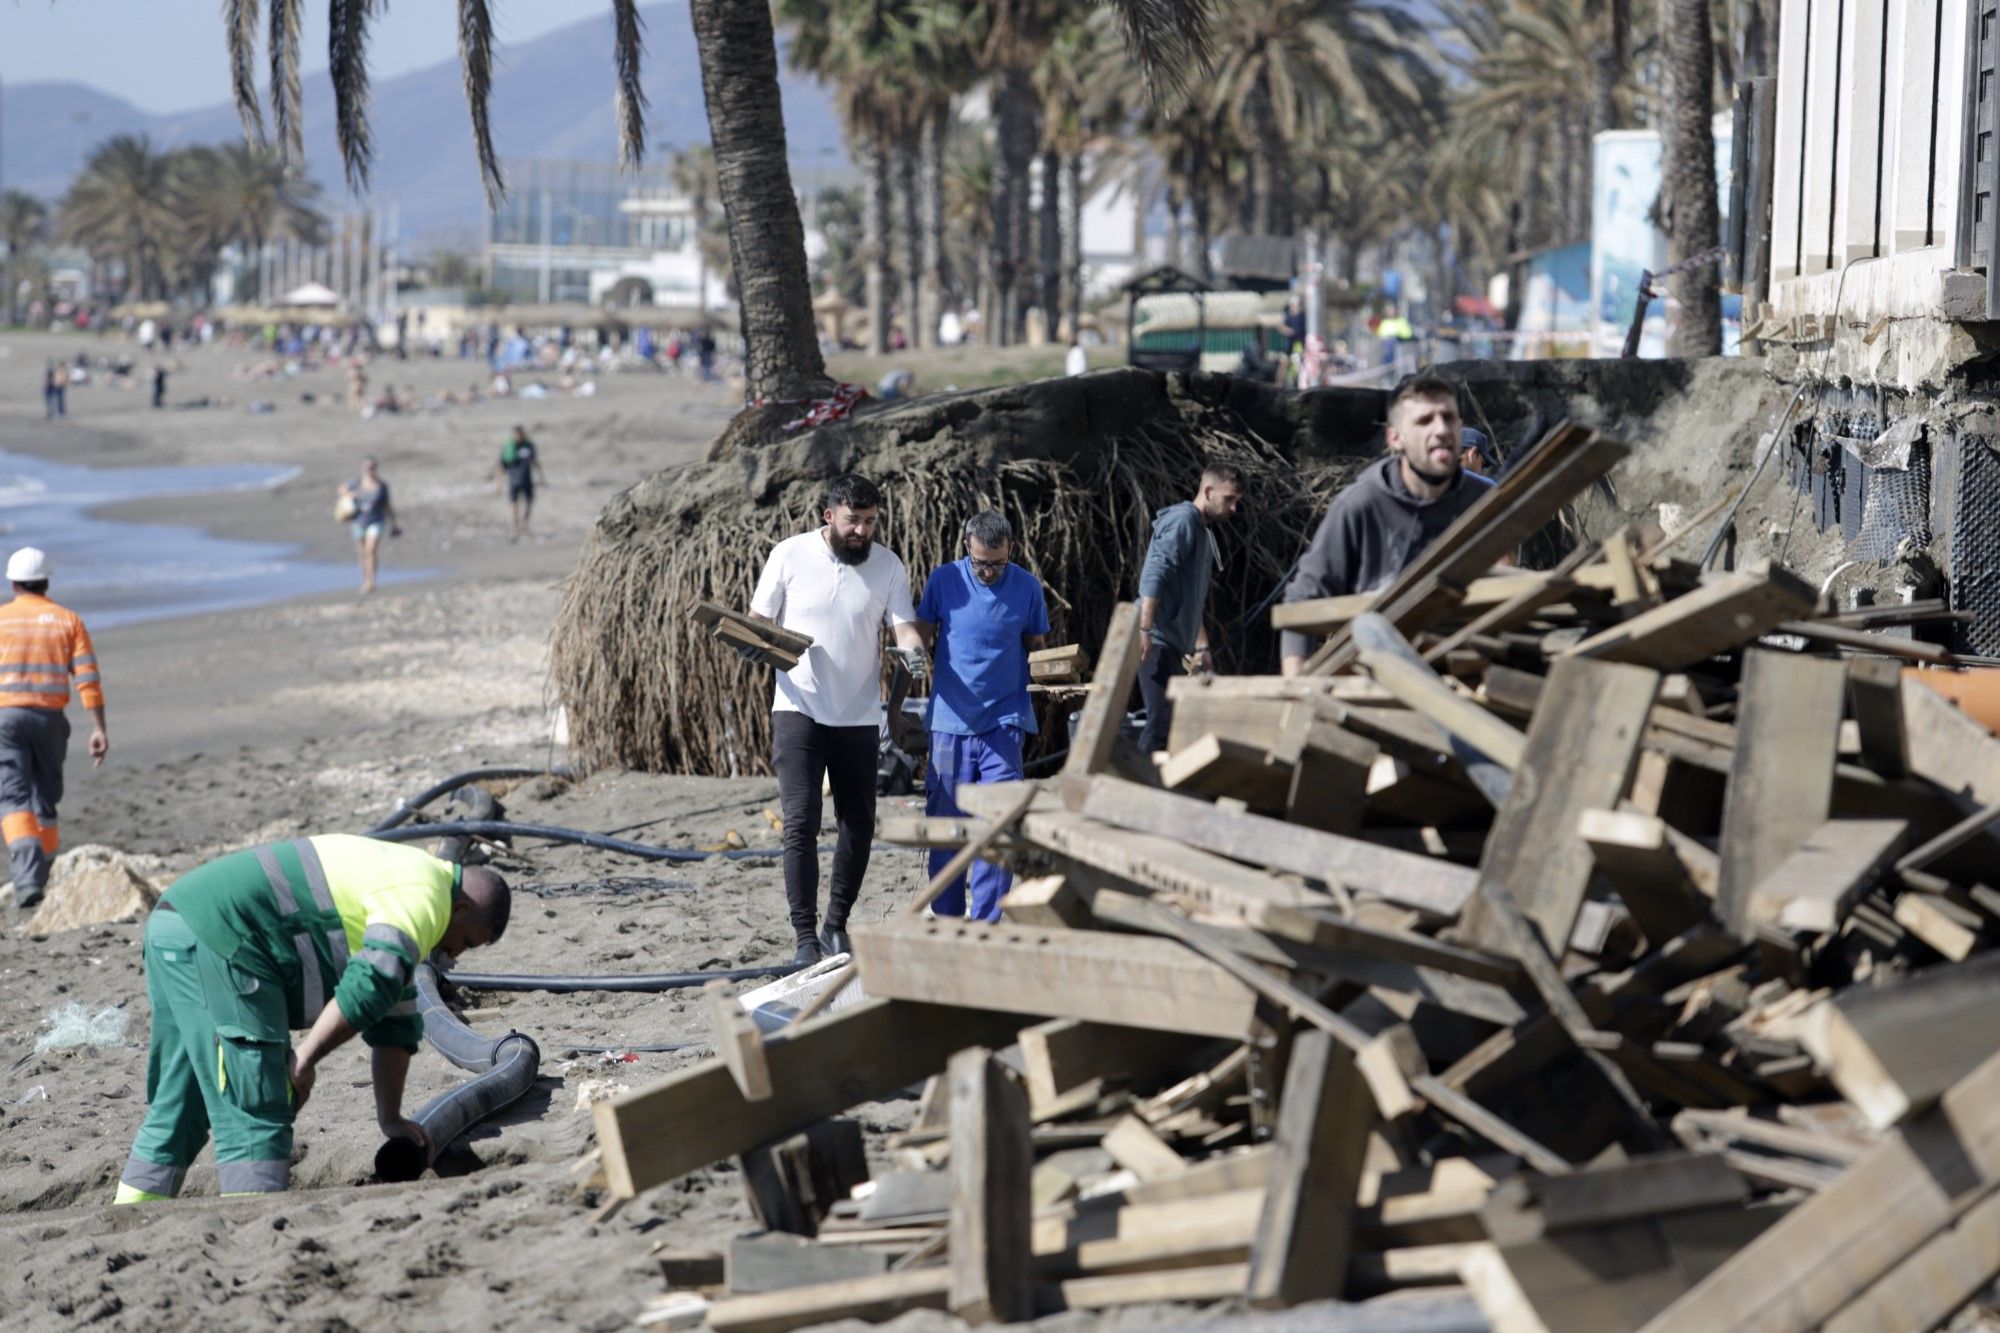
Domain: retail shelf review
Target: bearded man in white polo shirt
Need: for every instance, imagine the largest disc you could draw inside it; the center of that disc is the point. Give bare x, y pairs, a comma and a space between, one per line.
837, 586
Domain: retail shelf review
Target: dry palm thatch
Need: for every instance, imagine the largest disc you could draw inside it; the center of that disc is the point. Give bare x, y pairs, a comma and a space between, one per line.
1078, 466
347, 57
475, 58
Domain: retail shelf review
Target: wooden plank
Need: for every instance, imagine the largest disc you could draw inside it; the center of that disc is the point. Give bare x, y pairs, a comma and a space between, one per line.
738, 1040
1893, 1050
1423, 692
1935, 1282
1579, 757
1874, 691
1337, 934
1661, 1183
1781, 780
778, 1262
874, 1299
1134, 1146
1330, 780
1834, 1246
818, 1068
1815, 887
992, 1159
1212, 766
1305, 1233
1084, 974
1927, 919
1643, 863
1213, 1283
1063, 663
715, 614
1415, 881
1096, 731
1196, 1233
1726, 612
1045, 900
1063, 1054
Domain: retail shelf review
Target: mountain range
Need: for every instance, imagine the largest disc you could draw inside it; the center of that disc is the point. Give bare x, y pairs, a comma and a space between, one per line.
552, 98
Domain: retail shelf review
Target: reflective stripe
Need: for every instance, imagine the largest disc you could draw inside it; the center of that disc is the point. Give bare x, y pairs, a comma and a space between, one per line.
322, 892
253, 1177
89, 678
402, 1009
315, 873
280, 886
35, 668
221, 1069
153, 1177
315, 989
83, 660
392, 966
381, 932
26, 687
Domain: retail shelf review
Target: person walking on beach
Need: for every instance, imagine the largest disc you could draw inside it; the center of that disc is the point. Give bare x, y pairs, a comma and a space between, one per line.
319, 933
44, 650
1173, 592
159, 386
373, 514
985, 615
520, 467
55, 390
837, 585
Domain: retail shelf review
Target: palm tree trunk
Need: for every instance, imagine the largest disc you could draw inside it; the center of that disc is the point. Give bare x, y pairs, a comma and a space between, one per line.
912, 219
1199, 231
1072, 239
875, 239
1607, 64
930, 244
1014, 118
1176, 238
767, 242
1274, 167
1690, 178
1048, 245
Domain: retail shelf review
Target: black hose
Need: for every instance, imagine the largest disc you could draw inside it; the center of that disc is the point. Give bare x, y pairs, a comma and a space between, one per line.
506, 1067
405, 810
498, 828
661, 981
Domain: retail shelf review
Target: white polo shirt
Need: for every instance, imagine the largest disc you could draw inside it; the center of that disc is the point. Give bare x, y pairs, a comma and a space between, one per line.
805, 587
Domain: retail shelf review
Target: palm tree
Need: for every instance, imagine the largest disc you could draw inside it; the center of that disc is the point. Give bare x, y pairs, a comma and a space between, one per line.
737, 47
1687, 141
1290, 66
121, 209
244, 195
24, 224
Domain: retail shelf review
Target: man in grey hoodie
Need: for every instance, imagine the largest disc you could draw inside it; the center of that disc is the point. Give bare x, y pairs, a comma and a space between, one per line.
1173, 590
1385, 517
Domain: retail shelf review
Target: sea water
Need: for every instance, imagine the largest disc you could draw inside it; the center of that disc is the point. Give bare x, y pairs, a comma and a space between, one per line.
118, 573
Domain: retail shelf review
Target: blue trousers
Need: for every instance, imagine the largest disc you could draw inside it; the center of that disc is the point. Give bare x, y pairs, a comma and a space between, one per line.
991, 756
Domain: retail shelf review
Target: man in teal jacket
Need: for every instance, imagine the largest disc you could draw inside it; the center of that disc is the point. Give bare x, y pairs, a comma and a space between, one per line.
320, 933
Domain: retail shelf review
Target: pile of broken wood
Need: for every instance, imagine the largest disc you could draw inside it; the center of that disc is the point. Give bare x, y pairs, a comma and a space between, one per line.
1605, 947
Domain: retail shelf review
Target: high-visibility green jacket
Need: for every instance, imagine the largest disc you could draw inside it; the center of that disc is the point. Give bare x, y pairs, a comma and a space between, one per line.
356, 913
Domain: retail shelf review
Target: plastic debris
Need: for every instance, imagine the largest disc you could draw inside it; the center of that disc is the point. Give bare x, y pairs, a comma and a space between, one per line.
74, 1025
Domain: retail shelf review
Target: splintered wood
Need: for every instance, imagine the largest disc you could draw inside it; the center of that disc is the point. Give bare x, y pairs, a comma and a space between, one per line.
1609, 942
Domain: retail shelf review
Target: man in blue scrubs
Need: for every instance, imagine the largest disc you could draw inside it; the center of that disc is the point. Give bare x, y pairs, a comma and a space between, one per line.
984, 615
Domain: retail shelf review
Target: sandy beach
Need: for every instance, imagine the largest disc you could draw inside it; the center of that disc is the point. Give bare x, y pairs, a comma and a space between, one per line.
314, 715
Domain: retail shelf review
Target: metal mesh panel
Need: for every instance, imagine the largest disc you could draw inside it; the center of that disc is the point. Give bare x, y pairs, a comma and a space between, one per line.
1975, 544
1895, 506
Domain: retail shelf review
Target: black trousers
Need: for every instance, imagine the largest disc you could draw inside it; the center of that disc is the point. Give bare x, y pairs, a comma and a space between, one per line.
802, 753
1154, 673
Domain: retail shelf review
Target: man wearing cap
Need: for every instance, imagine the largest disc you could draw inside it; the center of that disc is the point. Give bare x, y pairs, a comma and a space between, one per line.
44, 649
319, 933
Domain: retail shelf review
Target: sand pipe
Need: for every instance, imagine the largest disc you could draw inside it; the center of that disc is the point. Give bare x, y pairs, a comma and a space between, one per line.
506, 1066
500, 828
405, 810
661, 981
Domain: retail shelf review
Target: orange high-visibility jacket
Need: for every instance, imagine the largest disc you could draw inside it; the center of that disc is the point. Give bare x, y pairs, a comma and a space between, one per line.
42, 646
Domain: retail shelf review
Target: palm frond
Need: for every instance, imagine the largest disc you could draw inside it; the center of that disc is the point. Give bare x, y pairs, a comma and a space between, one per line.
1170, 40
631, 44
347, 61
475, 58
285, 95
240, 17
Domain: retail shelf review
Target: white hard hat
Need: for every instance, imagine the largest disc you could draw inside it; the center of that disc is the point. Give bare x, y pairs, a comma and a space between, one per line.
28, 565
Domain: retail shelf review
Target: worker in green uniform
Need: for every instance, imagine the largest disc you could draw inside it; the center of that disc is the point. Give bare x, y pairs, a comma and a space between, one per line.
321, 933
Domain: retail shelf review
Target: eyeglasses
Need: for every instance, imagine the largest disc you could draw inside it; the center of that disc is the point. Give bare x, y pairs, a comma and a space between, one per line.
989, 566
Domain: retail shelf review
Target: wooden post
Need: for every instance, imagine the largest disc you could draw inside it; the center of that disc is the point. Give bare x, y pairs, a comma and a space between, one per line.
1305, 1233
1110, 689
992, 1159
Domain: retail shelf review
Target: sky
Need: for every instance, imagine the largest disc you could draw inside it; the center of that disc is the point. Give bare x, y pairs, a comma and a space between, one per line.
169, 55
